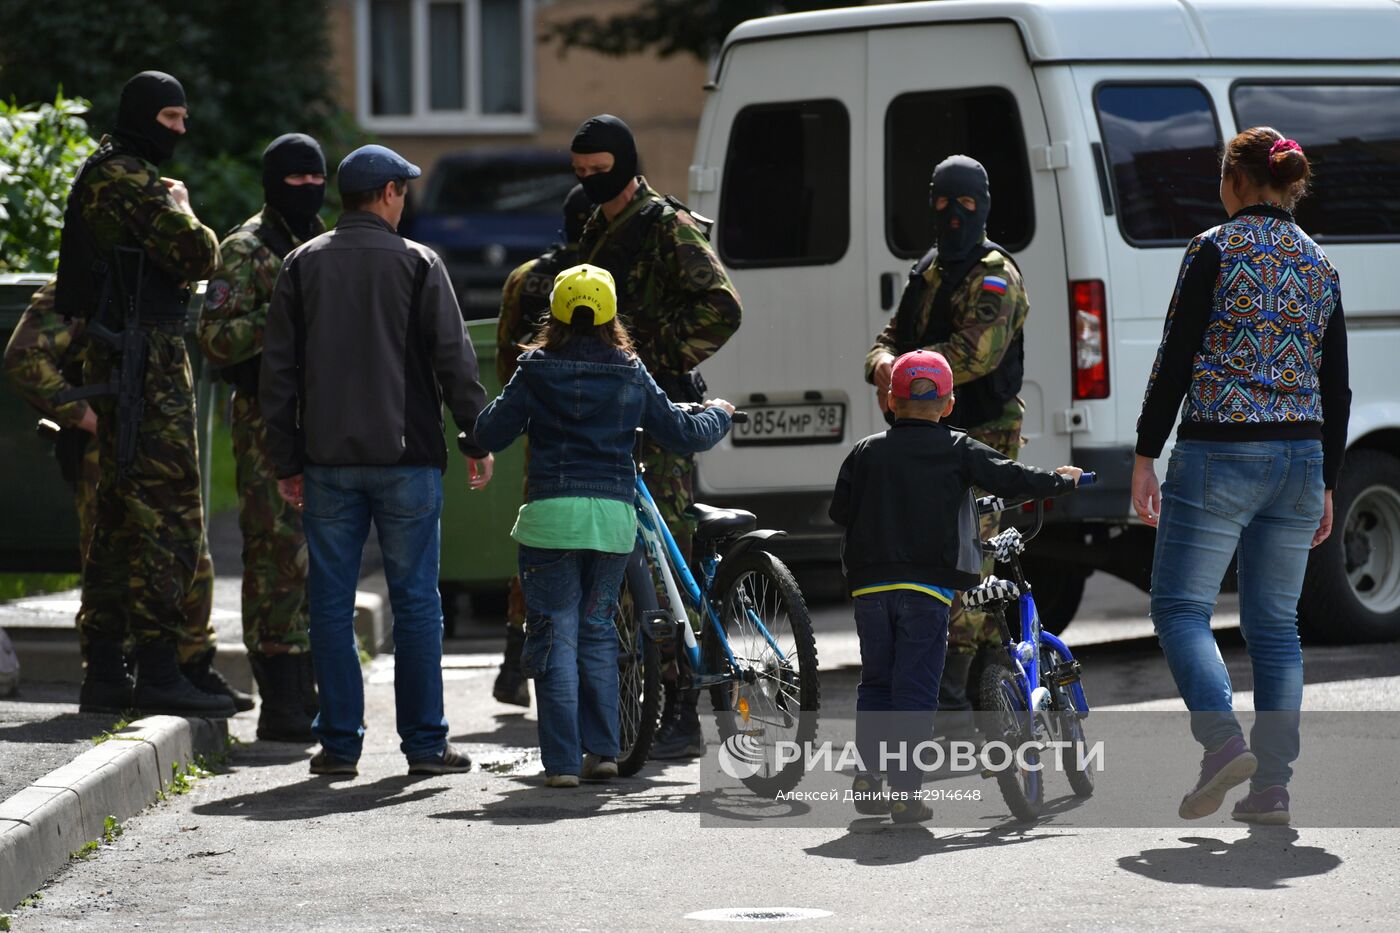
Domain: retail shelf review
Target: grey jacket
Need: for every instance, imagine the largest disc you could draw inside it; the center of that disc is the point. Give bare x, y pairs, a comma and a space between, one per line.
364, 342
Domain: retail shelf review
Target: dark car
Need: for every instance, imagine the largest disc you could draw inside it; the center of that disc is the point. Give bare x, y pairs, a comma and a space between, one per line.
487, 211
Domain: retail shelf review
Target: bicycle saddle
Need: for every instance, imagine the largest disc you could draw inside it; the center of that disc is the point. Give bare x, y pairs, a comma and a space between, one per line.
713, 523
991, 590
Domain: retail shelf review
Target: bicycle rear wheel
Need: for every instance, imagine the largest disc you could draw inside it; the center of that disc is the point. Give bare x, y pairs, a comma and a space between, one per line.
1003, 717
774, 693
638, 669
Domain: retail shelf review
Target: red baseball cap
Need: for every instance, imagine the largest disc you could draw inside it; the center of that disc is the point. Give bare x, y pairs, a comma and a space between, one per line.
922, 364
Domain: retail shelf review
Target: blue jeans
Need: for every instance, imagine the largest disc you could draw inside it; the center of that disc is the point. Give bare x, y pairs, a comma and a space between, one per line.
571, 651
903, 642
405, 503
1263, 499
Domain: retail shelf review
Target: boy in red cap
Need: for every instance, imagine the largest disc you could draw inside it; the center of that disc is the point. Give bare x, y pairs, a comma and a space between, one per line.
905, 499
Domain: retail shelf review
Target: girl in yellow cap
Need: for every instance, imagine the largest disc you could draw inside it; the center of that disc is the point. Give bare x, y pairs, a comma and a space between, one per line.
580, 393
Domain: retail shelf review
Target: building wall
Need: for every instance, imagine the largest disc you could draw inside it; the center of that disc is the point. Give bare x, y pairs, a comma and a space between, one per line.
660, 99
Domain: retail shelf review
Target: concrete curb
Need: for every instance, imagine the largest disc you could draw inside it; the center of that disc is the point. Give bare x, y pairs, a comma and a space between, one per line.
56, 815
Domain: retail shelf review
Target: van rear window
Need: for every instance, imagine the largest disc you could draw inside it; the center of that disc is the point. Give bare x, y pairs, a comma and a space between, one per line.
787, 185
1164, 147
1351, 133
924, 128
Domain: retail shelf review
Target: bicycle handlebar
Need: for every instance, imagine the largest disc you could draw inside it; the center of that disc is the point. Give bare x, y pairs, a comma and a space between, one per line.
739, 417
989, 504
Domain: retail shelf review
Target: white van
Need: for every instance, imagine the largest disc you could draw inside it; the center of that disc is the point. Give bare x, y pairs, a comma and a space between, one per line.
1100, 123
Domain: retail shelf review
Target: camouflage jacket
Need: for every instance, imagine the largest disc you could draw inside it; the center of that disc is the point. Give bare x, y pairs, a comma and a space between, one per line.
989, 309
525, 304
44, 357
673, 293
125, 203
237, 297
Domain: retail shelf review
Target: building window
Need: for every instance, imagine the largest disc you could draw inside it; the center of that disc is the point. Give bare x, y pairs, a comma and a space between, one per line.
446, 66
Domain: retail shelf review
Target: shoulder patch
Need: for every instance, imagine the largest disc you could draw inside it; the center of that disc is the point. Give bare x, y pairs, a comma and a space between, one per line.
995, 284
216, 294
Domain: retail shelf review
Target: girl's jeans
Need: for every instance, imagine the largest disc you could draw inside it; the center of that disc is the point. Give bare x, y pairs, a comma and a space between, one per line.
571, 651
1263, 500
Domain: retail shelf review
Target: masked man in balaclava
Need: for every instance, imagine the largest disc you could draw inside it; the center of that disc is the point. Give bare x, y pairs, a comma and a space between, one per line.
131, 247
231, 325
524, 307
680, 308
964, 299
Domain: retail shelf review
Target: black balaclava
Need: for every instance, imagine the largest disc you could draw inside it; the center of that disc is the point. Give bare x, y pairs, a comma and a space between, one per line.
957, 177
578, 207
294, 154
143, 98
606, 133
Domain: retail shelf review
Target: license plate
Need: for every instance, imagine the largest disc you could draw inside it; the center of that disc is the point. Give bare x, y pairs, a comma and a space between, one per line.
800, 423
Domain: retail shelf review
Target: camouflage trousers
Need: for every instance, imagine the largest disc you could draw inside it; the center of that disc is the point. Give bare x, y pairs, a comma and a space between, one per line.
968, 630
146, 570
275, 615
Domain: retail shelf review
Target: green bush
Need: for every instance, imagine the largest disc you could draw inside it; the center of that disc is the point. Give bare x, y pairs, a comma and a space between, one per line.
41, 149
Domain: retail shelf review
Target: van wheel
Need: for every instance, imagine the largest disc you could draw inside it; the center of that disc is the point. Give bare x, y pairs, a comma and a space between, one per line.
1351, 592
1058, 588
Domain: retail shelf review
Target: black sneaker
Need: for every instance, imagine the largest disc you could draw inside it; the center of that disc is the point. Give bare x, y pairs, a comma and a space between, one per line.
910, 811
681, 737
325, 763
869, 796
450, 762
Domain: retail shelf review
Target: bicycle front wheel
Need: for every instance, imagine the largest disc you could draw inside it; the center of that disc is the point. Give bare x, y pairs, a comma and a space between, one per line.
772, 692
638, 669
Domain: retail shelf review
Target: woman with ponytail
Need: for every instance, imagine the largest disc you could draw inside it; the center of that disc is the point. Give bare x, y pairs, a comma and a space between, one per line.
1255, 344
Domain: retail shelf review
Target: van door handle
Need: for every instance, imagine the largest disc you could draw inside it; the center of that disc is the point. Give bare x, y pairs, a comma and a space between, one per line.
889, 285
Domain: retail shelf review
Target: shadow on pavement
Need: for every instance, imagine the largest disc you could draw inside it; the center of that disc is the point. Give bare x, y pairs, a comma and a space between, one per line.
319, 796
263, 753
1263, 860
61, 729
874, 841
511, 729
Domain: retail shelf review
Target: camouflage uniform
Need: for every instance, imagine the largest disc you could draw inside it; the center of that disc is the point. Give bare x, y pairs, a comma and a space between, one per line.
148, 541
230, 333
679, 307
43, 358
985, 321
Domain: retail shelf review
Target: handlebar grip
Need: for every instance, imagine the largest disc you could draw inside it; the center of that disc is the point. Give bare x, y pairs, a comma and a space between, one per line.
740, 417
1088, 479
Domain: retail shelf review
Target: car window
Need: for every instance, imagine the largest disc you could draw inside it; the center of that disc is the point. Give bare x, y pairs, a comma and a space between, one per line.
500, 188
1163, 146
924, 128
787, 185
1351, 134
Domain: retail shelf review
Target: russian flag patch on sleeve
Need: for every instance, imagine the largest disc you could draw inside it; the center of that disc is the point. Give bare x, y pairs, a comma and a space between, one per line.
994, 284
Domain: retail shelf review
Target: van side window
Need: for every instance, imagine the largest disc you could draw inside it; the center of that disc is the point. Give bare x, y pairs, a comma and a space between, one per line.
786, 199
1164, 148
925, 127
1351, 133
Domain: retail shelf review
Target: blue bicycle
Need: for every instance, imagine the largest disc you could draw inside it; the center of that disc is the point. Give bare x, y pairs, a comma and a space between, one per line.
1033, 694
754, 651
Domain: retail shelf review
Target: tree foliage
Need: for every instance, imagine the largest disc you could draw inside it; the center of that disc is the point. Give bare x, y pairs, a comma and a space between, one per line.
252, 70
668, 27
41, 149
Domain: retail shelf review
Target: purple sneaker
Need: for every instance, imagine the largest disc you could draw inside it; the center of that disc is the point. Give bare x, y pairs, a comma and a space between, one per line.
1268, 807
1222, 769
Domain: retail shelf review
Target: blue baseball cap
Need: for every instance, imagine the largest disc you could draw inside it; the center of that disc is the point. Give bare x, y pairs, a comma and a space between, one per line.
372, 167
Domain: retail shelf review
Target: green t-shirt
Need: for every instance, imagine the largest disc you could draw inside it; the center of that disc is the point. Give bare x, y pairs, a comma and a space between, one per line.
573, 523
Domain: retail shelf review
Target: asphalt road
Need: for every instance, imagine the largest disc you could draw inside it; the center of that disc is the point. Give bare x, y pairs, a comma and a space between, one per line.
266, 847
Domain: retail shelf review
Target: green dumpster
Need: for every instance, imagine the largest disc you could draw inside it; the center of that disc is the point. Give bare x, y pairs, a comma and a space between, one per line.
478, 555
38, 527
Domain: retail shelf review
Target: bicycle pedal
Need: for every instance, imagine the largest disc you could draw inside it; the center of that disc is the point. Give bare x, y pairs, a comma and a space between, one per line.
661, 627
1062, 675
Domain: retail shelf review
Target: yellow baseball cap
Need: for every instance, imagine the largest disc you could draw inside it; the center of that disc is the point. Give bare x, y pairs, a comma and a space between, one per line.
584, 286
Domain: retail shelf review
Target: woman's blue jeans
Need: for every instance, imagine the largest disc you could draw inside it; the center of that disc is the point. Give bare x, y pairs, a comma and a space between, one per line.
405, 503
571, 651
1262, 500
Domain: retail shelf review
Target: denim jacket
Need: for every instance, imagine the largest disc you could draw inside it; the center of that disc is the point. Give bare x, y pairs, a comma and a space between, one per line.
581, 406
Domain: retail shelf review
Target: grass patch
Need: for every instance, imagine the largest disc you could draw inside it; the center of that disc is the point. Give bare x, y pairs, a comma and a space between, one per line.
116, 727
20, 585
88, 850
111, 830
32, 900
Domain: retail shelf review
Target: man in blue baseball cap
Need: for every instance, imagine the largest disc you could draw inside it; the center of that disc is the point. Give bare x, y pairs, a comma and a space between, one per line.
364, 344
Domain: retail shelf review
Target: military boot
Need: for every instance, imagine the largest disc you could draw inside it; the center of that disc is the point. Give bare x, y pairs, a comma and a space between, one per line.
680, 736
107, 687
954, 720
511, 685
161, 688
200, 672
283, 716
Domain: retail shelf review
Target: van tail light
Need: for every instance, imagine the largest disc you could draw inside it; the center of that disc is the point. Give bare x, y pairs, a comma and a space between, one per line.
1089, 325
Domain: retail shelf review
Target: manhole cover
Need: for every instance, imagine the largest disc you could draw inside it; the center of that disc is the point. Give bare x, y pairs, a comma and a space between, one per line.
758, 914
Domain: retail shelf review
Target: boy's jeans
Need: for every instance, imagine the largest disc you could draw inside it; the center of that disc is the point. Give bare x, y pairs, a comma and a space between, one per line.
571, 651
1265, 499
903, 640
405, 503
